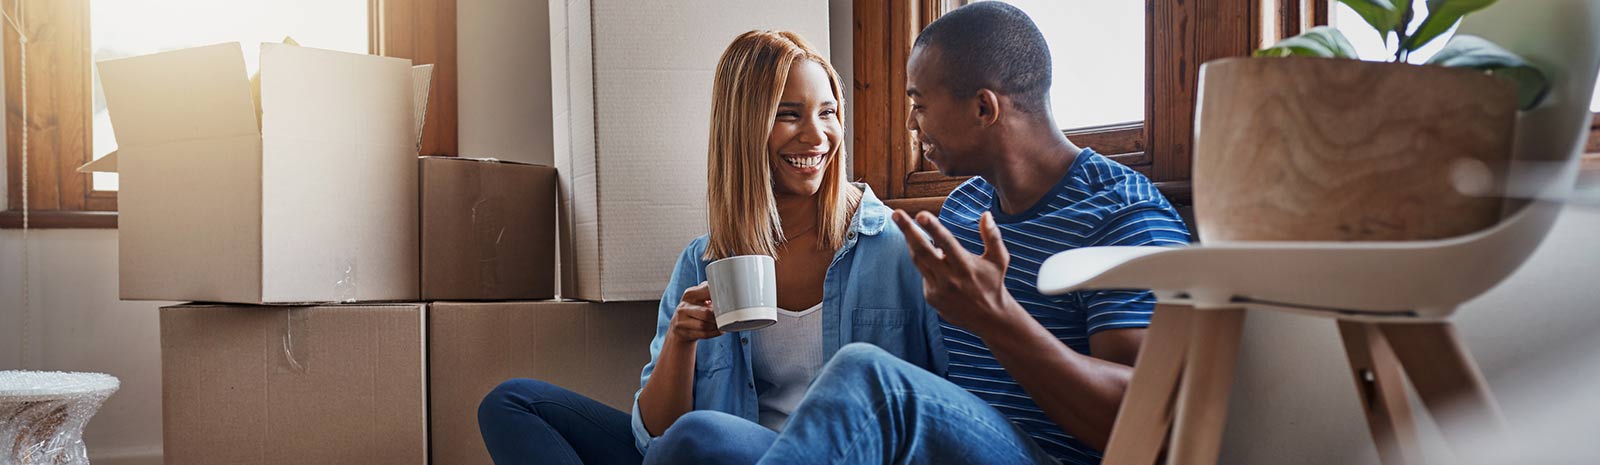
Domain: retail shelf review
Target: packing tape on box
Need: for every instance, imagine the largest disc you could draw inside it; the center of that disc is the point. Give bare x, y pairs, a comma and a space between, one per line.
344, 283
488, 229
296, 330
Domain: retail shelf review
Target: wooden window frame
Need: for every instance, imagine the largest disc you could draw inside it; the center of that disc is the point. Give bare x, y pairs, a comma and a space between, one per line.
1593, 145
59, 91
1179, 36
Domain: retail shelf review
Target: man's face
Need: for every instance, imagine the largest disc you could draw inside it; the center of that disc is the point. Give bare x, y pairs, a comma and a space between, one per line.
946, 125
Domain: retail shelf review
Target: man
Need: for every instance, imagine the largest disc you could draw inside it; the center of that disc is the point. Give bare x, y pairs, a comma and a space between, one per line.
1031, 378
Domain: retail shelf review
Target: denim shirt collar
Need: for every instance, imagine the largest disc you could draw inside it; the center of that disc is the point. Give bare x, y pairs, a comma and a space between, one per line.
872, 215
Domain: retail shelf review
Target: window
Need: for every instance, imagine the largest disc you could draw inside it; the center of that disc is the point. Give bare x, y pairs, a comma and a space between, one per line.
68, 125
123, 28
1125, 75
1097, 49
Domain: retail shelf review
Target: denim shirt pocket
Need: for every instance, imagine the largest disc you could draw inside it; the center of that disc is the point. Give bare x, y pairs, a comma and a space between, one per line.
887, 328
711, 357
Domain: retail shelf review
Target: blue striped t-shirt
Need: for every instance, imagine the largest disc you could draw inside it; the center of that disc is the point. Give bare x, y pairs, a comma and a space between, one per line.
1098, 202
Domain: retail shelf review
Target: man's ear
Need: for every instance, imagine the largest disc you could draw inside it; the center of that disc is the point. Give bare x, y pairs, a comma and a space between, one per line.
988, 107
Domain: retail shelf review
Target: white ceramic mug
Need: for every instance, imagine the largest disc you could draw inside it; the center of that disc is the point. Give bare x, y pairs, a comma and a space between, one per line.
744, 292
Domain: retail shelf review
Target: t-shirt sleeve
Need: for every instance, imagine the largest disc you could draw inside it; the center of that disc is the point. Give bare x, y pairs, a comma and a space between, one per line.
1145, 223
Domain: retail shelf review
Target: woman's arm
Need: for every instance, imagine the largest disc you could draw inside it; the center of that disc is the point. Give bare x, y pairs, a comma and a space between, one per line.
669, 393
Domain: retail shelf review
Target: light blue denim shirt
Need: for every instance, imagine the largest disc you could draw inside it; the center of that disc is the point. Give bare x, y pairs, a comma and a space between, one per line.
872, 293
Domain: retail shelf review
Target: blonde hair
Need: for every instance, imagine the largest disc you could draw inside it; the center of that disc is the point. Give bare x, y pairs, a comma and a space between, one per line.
744, 102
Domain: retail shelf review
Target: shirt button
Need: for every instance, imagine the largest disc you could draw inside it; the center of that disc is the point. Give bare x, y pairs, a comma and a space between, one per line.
744, 340
750, 385
851, 236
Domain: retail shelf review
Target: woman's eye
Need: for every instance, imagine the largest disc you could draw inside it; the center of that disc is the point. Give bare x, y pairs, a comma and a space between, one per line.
788, 115
829, 113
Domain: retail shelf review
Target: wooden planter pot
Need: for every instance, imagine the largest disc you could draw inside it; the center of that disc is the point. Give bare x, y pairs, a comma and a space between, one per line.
1312, 149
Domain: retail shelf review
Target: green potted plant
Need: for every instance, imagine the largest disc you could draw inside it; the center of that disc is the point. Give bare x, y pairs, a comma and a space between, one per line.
1307, 142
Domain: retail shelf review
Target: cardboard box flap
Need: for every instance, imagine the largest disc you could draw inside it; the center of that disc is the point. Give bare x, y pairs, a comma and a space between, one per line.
421, 84
105, 164
189, 94
481, 160
307, 94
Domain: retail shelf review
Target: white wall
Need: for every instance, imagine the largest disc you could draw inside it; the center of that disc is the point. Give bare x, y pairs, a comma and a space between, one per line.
76, 323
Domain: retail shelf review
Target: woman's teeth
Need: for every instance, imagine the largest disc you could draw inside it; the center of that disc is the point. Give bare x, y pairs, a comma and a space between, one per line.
805, 162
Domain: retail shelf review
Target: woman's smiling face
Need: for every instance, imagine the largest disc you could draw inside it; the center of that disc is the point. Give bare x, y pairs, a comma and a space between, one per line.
806, 131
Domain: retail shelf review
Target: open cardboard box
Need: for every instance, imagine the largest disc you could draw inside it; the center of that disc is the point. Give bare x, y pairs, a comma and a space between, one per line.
314, 202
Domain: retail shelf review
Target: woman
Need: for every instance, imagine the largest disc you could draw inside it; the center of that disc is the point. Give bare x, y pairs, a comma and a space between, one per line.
776, 187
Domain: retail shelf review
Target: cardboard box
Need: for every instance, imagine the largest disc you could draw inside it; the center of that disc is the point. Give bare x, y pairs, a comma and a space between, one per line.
633, 181
488, 229
304, 385
315, 202
594, 349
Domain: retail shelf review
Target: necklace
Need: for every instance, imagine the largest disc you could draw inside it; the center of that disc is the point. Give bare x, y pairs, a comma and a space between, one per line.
802, 233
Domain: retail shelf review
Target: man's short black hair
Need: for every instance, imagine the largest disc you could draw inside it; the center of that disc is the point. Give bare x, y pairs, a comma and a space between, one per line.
995, 46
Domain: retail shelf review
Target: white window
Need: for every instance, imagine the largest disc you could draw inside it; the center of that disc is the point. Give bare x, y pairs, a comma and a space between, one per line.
121, 28
1097, 49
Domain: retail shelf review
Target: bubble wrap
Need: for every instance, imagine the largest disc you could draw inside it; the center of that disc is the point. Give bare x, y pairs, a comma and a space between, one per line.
42, 415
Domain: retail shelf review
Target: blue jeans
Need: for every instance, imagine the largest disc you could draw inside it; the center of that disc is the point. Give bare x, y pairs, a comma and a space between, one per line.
710, 437
869, 407
524, 421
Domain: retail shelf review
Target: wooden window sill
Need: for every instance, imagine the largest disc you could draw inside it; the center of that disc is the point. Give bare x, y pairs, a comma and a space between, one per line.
12, 219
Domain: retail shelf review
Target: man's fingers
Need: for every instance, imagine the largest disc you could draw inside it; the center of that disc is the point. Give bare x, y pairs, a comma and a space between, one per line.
922, 252
994, 249
941, 237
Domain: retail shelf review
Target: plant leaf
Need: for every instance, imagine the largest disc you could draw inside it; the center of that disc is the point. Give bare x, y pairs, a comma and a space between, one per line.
1380, 14
1320, 41
1442, 15
1466, 51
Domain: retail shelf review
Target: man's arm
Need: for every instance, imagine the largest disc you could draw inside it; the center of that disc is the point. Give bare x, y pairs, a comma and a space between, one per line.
1080, 393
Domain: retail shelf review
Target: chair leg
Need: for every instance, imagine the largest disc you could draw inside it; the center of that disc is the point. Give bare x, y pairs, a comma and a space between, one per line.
1380, 381
1447, 379
1146, 412
1202, 405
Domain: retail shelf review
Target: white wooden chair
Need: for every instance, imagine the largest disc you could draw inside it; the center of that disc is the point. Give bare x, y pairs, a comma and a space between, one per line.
1392, 300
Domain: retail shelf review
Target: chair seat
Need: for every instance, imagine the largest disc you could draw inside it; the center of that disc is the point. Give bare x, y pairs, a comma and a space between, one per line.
1416, 279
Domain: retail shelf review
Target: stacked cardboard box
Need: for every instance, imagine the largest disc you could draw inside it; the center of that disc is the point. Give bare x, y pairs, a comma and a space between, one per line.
488, 230
327, 238
362, 383
314, 202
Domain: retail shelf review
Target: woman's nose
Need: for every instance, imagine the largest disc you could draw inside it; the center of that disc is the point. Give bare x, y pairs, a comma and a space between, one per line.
813, 133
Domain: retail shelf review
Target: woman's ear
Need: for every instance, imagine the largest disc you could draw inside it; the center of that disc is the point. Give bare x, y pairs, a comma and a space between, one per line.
988, 107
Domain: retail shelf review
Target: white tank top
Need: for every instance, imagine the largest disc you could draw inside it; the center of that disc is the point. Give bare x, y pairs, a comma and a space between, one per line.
786, 357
